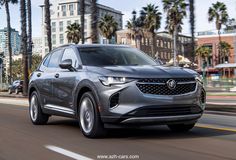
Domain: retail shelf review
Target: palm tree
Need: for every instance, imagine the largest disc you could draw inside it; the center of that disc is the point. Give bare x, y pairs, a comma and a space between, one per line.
94, 17
82, 13
108, 26
29, 33
203, 52
135, 26
152, 22
218, 13
74, 33
176, 11
225, 51
48, 23
6, 4
192, 28
24, 45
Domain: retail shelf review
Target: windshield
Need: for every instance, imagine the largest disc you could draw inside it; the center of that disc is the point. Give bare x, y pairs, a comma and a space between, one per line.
110, 56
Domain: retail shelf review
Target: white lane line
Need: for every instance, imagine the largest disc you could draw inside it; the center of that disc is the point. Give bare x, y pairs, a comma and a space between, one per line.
221, 103
67, 153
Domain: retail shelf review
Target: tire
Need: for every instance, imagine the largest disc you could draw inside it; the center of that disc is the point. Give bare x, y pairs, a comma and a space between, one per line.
36, 115
89, 118
16, 91
181, 127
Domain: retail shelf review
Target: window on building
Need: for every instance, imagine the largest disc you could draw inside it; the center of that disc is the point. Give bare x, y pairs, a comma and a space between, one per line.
46, 41
63, 9
61, 26
61, 39
53, 26
68, 23
85, 24
54, 39
71, 9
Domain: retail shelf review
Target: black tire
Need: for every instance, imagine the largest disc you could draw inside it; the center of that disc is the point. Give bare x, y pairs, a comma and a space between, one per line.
36, 115
181, 127
97, 130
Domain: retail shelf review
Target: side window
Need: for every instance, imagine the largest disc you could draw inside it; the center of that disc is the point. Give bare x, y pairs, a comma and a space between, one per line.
70, 54
54, 60
45, 63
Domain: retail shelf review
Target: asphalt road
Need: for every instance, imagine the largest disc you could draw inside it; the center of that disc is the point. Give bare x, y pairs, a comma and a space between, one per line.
214, 138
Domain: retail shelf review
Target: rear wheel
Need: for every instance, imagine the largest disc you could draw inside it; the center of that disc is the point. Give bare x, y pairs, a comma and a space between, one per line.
89, 118
181, 127
36, 115
17, 91
9, 91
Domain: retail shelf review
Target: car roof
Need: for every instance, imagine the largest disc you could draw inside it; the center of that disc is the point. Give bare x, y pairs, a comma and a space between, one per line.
94, 45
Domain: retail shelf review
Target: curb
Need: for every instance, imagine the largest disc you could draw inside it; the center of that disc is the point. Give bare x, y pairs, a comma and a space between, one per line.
221, 107
13, 96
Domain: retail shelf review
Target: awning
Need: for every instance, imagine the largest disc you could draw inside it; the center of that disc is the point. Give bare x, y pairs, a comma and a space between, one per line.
226, 65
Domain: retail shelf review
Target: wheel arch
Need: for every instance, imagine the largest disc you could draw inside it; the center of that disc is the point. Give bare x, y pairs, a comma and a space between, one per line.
83, 87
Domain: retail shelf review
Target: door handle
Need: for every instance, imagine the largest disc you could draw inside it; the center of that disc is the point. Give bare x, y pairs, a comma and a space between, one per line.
57, 75
39, 74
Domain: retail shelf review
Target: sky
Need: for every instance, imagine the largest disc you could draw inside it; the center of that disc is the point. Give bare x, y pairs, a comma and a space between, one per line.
126, 6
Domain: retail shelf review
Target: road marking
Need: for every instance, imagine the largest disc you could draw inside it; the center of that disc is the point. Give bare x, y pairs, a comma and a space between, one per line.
221, 103
67, 153
209, 126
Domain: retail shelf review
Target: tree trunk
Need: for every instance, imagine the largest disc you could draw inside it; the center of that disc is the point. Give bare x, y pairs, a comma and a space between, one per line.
48, 23
192, 24
154, 44
24, 46
175, 47
29, 33
94, 17
9, 40
218, 57
82, 13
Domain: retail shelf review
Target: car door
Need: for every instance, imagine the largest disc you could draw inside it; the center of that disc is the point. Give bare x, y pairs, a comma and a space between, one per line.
65, 83
46, 75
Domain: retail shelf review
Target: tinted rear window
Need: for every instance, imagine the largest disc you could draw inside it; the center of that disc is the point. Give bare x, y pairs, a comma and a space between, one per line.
109, 56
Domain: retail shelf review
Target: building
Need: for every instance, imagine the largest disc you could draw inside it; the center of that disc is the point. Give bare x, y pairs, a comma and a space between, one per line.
37, 45
211, 39
15, 41
164, 44
66, 12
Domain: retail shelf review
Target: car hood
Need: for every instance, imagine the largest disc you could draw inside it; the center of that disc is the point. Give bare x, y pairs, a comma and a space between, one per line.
146, 71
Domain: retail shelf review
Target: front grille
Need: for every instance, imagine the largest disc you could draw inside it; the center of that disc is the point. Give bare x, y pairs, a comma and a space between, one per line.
159, 86
166, 111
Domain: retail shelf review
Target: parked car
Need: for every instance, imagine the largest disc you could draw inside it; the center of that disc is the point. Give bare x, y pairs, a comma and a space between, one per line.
16, 87
106, 86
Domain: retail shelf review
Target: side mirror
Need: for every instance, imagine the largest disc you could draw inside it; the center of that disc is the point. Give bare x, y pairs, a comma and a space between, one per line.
67, 64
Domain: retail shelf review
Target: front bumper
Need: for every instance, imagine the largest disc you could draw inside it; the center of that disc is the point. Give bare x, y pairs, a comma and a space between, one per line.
159, 109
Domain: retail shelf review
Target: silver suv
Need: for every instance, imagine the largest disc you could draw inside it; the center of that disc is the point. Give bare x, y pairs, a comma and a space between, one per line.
110, 85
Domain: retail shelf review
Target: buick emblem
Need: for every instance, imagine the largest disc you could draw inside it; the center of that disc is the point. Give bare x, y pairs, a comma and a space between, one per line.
171, 84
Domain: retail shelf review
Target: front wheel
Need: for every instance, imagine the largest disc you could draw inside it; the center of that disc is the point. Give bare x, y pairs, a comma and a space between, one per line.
36, 115
181, 127
89, 118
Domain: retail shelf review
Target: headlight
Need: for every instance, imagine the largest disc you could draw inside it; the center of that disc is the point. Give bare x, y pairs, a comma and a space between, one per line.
108, 81
199, 78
